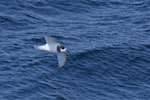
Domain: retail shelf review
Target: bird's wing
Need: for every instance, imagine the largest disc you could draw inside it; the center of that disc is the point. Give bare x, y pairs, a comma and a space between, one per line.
52, 43
61, 58
50, 40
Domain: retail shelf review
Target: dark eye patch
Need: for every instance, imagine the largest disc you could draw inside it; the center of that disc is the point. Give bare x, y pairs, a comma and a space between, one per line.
59, 47
63, 47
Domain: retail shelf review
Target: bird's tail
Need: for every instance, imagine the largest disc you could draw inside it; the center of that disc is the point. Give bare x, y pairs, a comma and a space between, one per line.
42, 47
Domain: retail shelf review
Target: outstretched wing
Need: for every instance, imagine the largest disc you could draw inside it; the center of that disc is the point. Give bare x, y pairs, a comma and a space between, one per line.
52, 43
50, 39
61, 58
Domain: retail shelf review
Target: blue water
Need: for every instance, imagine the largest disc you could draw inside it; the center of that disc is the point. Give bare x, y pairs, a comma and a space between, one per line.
108, 50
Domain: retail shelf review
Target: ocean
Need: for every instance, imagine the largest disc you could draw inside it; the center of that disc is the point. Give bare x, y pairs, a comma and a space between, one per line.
108, 45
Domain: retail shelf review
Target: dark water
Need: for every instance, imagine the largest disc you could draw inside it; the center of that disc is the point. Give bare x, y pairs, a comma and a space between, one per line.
108, 42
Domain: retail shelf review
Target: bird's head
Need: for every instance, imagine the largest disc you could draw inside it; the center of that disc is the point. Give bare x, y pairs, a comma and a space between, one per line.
61, 48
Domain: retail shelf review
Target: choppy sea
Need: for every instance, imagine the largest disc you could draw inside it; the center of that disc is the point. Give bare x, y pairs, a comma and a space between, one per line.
108, 45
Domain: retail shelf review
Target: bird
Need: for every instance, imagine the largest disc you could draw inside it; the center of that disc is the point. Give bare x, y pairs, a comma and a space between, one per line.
54, 47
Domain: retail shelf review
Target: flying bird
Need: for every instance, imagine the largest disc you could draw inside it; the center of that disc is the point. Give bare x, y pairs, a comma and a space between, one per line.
55, 47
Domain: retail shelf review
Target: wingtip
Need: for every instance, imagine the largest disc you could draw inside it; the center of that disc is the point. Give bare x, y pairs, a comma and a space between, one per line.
52, 37
61, 65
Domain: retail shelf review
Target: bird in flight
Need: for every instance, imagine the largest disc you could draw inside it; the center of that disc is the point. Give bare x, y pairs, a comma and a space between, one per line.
55, 47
